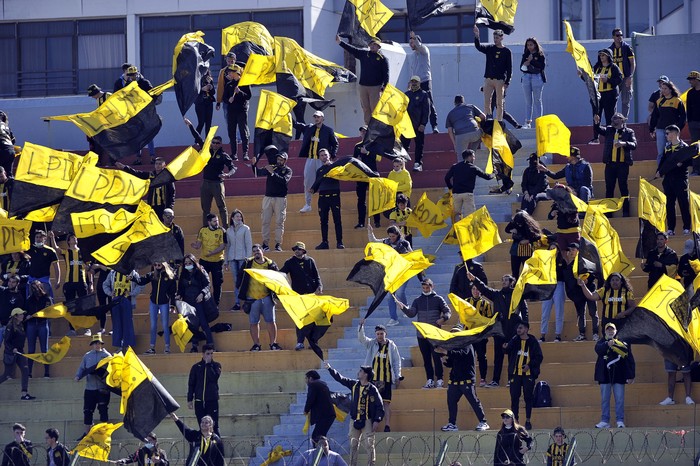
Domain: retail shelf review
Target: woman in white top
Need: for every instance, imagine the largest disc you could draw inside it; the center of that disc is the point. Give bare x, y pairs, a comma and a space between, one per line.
239, 246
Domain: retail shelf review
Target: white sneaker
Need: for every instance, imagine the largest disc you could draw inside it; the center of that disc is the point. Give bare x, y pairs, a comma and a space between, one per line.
686, 232
440, 384
417, 167
689, 401
602, 425
482, 426
526, 126
595, 337
620, 425
668, 402
429, 384
305, 209
88, 333
392, 323
449, 427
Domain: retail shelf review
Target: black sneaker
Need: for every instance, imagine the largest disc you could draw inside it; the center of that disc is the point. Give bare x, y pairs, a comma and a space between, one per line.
194, 349
377, 225
27, 397
340, 245
359, 225
275, 347
528, 425
323, 245
278, 247
236, 307
255, 348
543, 339
234, 157
435, 131
387, 429
265, 247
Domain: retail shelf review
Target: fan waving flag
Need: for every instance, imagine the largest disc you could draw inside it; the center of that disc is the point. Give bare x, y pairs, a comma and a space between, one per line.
651, 208
468, 315
392, 110
457, 340
661, 320
274, 280
60, 310
56, 352
580, 55
420, 11
477, 233
537, 280
123, 124
426, 216
553, 137
371, 274
497, 14
97, 443
313, 309
273, 122
245, 39
502, 144
351, 169
190, 62
597, 229
350, 27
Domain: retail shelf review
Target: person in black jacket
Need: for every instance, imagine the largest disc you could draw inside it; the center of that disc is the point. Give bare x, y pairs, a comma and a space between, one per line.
498, 69
236, 98
204, 442
163, 289
509, 448
524, 361
18, 452
149, 454
460, 283
11, 297
366, 410
461, 179
274, 202
56, 453
369, 158
203, 387
37, 327
532, 64
620, 141
213, 177
668, 110
328, 201
158, 197
374, 74
533, 184
609, 78
675, 181
204, 103
419, 111
193, 288
660, 260
7, 142
169, 221
14, 339
7, 184
318, 406
614, 368
623, 56
527, 235
316, 137
132, 74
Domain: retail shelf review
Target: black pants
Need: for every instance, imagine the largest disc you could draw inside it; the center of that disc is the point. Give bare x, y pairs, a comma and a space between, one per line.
7, 158
238, 119
420, 143
361, 190
431, 360
72, 290
299, 110
580, 303
480, 350
497, 358
204, 110
617, 172
20, 361
326, 203
321, 429
207, 408
216, 269
425, 85
95, 399
676, 190
313, 333
526, 385
606, 105
454, 394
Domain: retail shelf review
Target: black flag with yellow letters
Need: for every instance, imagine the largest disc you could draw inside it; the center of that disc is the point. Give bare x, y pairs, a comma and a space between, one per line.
351, 29
420, 11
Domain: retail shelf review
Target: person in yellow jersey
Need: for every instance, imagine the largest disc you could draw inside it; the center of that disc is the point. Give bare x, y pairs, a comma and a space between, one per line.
211, 239
608, 79
616, 294
258, 299
399, 215
317, 136
77, 283
123, 289
524, 360
556, 452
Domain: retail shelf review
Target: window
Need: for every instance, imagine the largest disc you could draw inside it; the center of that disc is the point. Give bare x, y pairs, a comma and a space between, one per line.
603, 19
666, 7
637, 18
455, 28
59, 57
571, 12
160, 34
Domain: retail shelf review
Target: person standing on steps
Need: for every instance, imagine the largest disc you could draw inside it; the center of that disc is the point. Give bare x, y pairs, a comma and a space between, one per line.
237, 99
319, 406
418, 111
239, 247
669, 110
532, 64
420, 66
524, 361
498, 69
614, 369
96, 394
274, 201
14, 339
660, 260
461, 179
623, 57
213, 177
370, 159
317, 136
620, 141
328, 201
211, 239
203, 387
609, 78
675, 181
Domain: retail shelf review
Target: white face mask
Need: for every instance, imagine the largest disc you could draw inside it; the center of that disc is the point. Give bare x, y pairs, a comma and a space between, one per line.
148, 445
39, 245
237, 222
189, 267
508, 426
426, 293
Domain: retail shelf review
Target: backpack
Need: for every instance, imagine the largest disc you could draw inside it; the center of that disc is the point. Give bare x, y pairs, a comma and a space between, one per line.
542, 396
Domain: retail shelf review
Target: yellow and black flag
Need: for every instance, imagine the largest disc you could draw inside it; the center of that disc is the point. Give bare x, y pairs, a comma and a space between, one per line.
477, 233
502, 145
382, 195
420, 11
597, 229
661, 319
426, 216
537, 280
458, 340
497, 14
580, 55
188, 163
350, 27
190, 62
42, 177
273, 121
97, 443
245, 39
351, 169
123, 125
15, 235
144, 401
389, 121
56, 352
371, 14
651, 209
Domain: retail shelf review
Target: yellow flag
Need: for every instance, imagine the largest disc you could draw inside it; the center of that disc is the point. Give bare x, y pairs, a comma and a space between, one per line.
115, 111
608, 204
191, 161
159, 89
694, 330
426, 217
477, 233
577, 51
105, 186
97, 443
274, 280
347, 172
46, 214
652, 205
94, 222
311, 308
181, 333
578, 203
597, 229
539, 269
247, 31
48, 167
451, 237
291, 58
446, 205
468, 315
382, 195
497, 141
57, 311
659, 300
259, 70
274, 112
189, 37
15, 235
372, 15
553, 137
432, 332
126, 372
56, 352
395, 266
694, 212
392, 109
502, 11
146, 225
684, 97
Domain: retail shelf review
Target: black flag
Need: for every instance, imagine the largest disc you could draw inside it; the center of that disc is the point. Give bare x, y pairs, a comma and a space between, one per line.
420, 11
190, 62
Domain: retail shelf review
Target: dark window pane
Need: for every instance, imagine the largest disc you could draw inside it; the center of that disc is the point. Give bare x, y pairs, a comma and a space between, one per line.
7, 30
102, 26
285, 23
104, 78
603, 28
59, 54
46, 29
157, 55
637, 18
218, 21
667, 7
571, 12
8, 67
165, 23
33, 54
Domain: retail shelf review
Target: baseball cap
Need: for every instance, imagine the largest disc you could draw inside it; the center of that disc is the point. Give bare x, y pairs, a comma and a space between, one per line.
694, 75
319, 113
663, 79
93, 90
415, 78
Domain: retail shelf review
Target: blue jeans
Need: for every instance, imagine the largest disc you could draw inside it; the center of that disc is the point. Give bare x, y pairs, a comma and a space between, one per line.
532, 85
401, 296
558, 301
122, 323
660, 143
37, 328
236, 270
618, 390
585, 193
153, 310
151, 148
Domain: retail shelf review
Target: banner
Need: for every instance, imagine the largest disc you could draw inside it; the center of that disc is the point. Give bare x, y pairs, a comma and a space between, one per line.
537, 279
246, 38
56, 352
351, 169
597, 228
497, 14
188, 163
392, 110
426, 216
14, 235
577, 51
190, 62
553, 137
313, 309
349, 27
372, 15
652, 205
477, 233
420, 11
273, 121
382, 195
97, 443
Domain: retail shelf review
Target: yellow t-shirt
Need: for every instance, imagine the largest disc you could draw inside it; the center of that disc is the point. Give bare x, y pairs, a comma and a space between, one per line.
403, 178
401, 216
257, 290
211, 240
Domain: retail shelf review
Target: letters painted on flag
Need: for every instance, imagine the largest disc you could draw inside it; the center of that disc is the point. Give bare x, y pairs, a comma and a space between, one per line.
395, 266
181, 333
660, 300
553, 137
372, 15
597, 229
190, 62
259, 70
537, 279
60, 310
188, 163
652, 205
426, 216
477, 233
274, 112
392, 109
56, 352
577, 51
420, 11
311, 308
497, 14
350, 28
606, 205
15, 235
274, 280
382, 195
292, 59
468, 315
247, 38
98, 221
97, 443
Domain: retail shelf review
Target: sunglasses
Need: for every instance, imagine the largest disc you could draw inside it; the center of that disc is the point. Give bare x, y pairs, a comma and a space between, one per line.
618, 35
216, 143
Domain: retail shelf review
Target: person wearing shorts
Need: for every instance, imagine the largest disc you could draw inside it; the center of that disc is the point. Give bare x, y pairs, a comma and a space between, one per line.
672, 369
